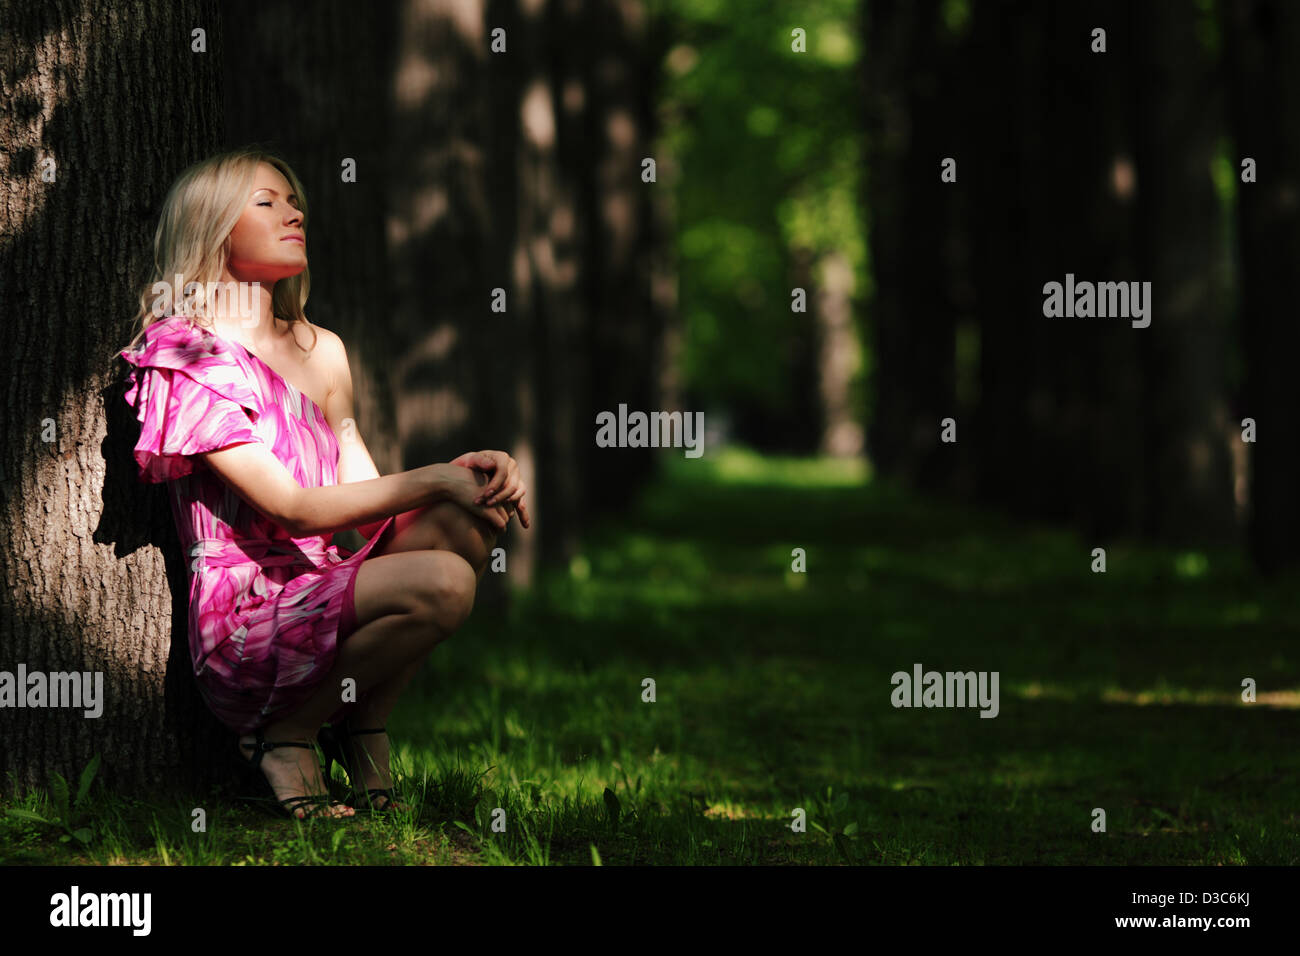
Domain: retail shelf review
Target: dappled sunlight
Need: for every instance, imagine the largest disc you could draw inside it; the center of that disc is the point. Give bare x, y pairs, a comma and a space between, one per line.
1282, 700
1146, 697
736, 465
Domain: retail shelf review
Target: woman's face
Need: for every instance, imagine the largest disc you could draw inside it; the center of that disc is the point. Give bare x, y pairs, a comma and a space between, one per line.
268, 242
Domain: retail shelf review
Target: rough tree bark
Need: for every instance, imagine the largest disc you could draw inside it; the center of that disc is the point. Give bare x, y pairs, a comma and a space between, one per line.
93, 579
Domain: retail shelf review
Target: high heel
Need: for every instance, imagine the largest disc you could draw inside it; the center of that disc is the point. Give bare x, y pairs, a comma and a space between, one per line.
288, 805
331, 740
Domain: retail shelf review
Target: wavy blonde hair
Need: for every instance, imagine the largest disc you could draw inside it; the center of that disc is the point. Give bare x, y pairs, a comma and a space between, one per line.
193, 236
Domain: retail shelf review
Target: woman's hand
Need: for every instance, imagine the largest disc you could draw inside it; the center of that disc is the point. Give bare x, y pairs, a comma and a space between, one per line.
506, 487
464, 486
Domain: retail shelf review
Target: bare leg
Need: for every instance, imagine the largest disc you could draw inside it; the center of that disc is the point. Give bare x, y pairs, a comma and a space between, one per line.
382, 655
370, 752
404, 617
444, 527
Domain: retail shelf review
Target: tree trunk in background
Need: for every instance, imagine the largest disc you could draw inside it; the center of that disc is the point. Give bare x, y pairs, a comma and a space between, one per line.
462, 375
1180, 229
909, 128
837, 356
802, 420
1087, 406
1056, 425
315, 106
93, 574
549, 242
1003, 137
581, 263
1261, 40
604, 89
517, 171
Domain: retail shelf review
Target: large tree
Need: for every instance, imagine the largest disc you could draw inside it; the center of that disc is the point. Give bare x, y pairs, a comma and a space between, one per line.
103, 106
476, 170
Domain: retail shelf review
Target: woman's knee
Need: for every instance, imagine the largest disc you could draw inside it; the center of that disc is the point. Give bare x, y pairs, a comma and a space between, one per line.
443, 526
465, 534
433, 588
448, 593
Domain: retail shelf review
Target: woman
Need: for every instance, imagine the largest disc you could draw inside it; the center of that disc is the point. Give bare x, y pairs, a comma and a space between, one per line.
246, 411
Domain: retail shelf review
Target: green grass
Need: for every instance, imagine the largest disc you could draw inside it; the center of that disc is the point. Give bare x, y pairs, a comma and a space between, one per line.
1118, 690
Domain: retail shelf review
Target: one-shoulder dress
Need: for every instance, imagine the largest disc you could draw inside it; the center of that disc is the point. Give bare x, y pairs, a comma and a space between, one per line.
267, 611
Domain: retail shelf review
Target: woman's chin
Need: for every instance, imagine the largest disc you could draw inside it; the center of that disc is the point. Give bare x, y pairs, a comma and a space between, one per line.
291, 269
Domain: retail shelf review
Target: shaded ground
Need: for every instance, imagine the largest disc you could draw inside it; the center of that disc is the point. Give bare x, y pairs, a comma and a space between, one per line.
1119, 691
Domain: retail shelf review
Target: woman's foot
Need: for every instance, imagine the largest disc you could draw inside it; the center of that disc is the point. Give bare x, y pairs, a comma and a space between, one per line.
369, 753
294, 772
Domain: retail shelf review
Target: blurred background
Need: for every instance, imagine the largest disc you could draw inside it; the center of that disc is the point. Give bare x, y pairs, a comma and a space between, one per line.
738, 208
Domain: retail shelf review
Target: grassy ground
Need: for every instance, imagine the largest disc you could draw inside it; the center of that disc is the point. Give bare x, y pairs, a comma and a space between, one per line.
1119, 691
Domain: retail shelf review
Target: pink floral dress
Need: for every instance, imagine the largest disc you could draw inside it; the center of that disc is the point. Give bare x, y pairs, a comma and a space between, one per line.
267, 611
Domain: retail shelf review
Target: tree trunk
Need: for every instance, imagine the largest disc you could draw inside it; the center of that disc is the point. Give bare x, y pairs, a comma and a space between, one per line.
1262, 37
1005, 110
909, 116
1184, 350
93, 575
1056, 437
607, 127
837, 357
1085, 371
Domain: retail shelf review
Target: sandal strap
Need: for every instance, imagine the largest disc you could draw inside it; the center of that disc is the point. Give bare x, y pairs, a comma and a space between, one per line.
307, 802
261, 745
313, 798
265, 745
343, 758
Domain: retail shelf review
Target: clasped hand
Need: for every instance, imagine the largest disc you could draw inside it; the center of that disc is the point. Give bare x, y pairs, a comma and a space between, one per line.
505, 486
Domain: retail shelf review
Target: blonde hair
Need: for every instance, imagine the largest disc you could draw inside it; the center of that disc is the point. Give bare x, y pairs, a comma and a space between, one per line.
193, 237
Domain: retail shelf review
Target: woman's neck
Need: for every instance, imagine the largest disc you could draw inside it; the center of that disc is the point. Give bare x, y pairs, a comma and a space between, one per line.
236, 317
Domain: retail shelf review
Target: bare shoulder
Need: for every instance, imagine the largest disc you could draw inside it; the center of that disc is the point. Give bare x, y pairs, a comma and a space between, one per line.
333, 356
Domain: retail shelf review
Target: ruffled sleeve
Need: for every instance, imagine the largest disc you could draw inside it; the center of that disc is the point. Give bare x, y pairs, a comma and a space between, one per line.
190, 395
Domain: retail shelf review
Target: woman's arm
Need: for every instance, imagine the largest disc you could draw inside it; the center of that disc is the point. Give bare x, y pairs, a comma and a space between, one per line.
259, 478
363, 498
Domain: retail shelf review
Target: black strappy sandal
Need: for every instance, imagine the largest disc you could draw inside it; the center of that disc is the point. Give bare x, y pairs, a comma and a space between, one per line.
289, 805
331, 743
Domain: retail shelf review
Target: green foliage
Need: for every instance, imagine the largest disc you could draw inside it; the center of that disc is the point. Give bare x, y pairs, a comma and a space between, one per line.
767, 146
69, 814
833, 810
